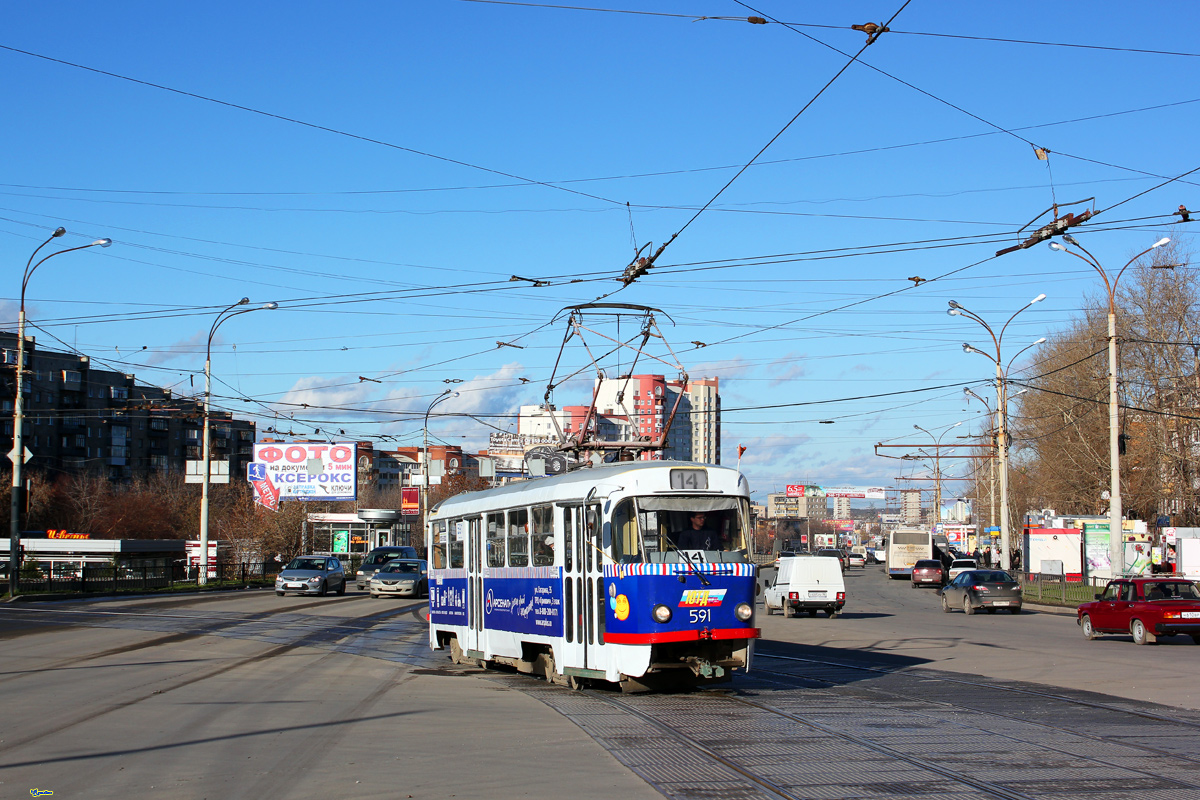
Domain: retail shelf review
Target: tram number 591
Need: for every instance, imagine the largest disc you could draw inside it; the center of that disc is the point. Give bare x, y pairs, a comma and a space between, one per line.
697, 615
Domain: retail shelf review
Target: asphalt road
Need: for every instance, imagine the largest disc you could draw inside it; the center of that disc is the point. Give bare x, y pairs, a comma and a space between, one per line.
242, 697
888, 621
246, 695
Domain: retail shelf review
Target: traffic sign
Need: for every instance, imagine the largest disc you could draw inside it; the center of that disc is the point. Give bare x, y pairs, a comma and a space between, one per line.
12, 455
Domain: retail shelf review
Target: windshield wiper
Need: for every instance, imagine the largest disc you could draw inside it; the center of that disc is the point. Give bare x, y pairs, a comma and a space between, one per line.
703, 581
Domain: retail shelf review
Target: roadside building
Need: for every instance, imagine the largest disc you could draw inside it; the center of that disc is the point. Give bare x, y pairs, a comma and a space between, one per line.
79, 417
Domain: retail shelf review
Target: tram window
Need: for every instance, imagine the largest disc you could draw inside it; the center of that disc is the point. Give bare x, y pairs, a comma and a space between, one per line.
458, 539
543, 536
625, 533
568, 608
593, 536
600, 615
440, 541
568, 518
653, 539
518, 538
472, 544
495, 540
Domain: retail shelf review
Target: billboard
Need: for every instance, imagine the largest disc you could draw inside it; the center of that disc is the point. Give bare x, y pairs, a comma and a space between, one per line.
410, 501
305, 470
856, 493
508, 450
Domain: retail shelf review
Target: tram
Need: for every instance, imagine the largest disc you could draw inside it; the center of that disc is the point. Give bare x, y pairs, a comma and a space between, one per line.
594, 575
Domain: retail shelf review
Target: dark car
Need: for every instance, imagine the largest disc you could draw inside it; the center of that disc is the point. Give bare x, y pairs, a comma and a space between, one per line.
986, 589
833, 552
928, 572
1146, 608
380, 556
311, 575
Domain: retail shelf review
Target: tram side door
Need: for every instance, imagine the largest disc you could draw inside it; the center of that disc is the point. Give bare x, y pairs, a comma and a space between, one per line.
592, 598
574, 641
474, 565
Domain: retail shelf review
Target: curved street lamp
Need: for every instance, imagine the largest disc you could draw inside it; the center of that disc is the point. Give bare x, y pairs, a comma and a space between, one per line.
18, 452
1116, 545
937, 465
957, 310
225, 314
446, 395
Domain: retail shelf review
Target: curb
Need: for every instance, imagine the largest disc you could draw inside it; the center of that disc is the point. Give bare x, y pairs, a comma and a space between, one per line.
56, 597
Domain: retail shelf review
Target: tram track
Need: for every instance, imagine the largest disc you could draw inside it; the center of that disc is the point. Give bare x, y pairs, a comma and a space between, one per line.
989, 686
202, 625
774, 788
316, 636
1008, 736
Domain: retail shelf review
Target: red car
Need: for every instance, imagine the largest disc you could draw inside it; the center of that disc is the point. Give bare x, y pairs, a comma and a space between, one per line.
1144, 607
928, 572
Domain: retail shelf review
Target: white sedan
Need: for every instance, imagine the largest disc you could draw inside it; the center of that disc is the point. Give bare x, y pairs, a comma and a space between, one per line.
405, 577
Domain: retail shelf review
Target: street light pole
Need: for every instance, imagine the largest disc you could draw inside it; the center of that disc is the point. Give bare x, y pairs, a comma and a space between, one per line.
446, 395
1116, 543
202, 577
18, 452
991, 465
937, 465
956, 310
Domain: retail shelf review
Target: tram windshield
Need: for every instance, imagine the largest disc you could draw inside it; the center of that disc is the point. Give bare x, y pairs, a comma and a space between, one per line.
665, 529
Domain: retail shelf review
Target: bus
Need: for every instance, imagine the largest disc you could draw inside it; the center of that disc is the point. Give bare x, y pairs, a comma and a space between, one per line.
580, 578
905, 547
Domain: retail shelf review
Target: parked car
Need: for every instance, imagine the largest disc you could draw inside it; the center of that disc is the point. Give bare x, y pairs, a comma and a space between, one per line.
928, 572
1144, 607
809, 584
833, 552
401, 576
960, 565
380, 556
986, 589
857, 559
311, 575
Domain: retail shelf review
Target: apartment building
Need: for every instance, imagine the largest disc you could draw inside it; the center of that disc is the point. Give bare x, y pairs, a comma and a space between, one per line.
80, 417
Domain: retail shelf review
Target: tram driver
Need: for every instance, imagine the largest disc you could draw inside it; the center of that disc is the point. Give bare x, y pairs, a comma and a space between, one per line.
697, 536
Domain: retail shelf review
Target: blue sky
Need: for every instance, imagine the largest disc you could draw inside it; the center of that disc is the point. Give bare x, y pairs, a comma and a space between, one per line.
449, 145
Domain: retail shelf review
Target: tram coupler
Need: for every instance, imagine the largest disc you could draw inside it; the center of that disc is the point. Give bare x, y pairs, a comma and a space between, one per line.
703, 668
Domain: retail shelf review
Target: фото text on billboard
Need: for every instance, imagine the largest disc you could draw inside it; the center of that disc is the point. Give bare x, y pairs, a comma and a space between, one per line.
306, 470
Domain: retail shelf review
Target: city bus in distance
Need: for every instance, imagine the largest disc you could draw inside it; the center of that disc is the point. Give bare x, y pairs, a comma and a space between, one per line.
599, 575
905, 547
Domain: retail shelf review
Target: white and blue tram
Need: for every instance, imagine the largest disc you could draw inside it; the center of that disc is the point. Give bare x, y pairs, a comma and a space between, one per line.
580, 576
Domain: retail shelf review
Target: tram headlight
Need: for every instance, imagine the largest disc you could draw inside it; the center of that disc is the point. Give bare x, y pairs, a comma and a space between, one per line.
662, 613
743, 612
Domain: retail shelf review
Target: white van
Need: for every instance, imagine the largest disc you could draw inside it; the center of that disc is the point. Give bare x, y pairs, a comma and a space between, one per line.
813, 584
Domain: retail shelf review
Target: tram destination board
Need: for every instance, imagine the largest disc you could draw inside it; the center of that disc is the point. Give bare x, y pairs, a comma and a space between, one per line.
694, 479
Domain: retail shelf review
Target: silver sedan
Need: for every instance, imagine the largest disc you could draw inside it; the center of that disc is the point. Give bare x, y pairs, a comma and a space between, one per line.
311, 575
404, 577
